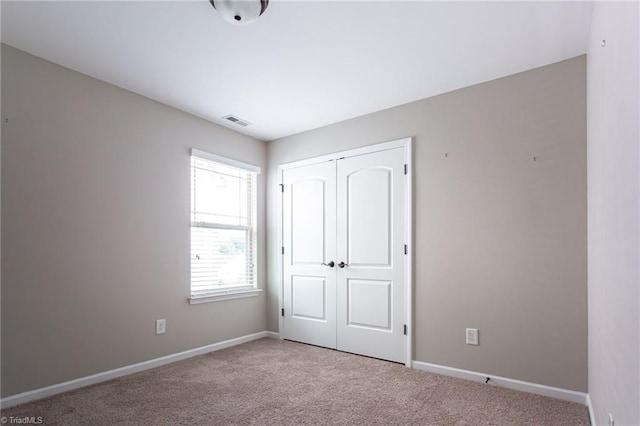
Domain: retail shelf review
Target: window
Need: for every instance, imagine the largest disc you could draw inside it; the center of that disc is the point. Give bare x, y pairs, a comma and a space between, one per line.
223, 228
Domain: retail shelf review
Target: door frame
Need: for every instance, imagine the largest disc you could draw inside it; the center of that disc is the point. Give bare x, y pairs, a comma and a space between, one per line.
405, 143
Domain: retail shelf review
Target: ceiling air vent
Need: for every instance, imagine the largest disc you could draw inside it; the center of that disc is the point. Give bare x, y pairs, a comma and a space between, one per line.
236, 120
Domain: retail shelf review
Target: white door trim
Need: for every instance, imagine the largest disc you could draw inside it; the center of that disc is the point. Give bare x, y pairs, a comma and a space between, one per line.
405, 143
409, 258
399, 143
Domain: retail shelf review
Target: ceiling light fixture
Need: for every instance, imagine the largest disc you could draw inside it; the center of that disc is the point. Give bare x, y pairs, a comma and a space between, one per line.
240, 12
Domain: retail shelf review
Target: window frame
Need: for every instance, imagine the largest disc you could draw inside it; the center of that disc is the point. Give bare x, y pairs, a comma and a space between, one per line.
226, 293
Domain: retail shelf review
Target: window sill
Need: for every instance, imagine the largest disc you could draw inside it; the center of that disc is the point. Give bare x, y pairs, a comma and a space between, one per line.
225, 295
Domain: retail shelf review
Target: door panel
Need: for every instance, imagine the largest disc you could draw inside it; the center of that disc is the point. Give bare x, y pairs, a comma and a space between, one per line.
369, 304
371, 205
368, 217
309, 237
309, 298
308, 221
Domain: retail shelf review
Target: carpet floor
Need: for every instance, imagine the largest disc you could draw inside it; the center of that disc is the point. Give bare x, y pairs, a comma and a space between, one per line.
272, 382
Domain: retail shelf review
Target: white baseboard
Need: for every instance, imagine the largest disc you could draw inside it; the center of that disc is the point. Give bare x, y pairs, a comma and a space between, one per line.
558, 393
592, 415
33, 395
272, 334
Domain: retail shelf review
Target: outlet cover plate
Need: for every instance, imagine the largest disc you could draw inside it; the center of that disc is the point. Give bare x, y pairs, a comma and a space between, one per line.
472, 336
161, 326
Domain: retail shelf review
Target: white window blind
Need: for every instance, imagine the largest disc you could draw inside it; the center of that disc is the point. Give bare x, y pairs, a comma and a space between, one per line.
223, 225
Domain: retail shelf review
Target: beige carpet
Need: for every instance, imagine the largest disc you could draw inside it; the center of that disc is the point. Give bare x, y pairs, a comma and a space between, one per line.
284, 383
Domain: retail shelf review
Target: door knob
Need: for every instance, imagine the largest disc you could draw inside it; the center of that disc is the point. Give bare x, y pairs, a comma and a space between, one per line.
330, 264
342, 264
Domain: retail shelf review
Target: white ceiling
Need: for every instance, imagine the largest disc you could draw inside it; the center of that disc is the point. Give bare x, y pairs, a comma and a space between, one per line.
303, 64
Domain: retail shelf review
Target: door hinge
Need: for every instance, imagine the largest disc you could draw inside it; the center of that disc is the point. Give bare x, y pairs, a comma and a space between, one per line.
405, 329
406, 169
282, 187
282, 249
283, 313
406, 249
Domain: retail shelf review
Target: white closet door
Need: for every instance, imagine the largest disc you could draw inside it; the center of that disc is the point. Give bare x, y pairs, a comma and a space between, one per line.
371, 208
309, 238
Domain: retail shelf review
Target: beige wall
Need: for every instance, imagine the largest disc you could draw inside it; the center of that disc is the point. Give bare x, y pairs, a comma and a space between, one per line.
95, 221
500, 240
614, 212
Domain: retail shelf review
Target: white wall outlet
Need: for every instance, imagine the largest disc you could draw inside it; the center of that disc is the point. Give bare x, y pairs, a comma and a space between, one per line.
472, 336
611, 422
161, 326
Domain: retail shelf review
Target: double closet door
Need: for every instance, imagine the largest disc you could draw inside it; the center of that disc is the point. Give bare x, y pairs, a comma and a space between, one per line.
344, 274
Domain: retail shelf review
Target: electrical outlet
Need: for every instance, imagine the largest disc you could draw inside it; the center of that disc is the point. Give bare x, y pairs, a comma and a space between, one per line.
611, 422
161, 326
472, 336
